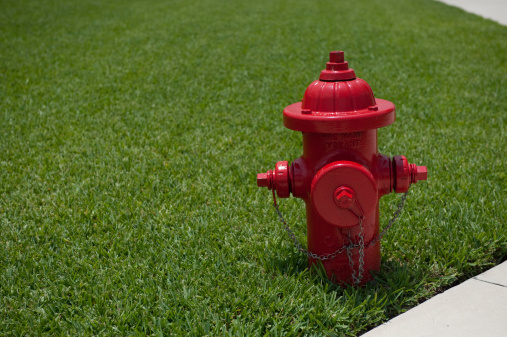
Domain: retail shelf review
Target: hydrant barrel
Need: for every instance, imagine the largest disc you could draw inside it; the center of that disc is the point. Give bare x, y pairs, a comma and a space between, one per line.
340, 175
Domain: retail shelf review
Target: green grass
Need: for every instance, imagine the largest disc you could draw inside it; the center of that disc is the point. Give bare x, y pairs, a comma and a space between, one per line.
132, 131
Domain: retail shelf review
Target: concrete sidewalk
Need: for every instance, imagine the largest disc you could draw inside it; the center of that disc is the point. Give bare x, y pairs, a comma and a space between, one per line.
495, 10
476, 307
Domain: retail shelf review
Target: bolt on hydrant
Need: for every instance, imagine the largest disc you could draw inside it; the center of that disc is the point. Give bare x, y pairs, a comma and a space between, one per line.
341, 176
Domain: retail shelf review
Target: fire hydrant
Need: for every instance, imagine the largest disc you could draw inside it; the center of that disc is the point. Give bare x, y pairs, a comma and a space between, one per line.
341, 175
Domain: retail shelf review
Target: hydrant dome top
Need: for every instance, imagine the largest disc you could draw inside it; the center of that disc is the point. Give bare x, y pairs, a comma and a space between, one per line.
338, 102
338, 96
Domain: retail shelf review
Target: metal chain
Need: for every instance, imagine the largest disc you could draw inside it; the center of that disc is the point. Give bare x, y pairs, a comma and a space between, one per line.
361, 245
357, 278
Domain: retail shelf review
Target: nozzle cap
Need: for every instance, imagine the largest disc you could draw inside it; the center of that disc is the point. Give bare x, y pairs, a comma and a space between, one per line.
263, 180
419, 173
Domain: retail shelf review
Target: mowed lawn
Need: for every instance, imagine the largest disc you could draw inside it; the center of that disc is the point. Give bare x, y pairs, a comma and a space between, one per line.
131, 133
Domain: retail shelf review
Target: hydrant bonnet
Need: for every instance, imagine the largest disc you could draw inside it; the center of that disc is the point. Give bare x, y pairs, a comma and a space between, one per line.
338, 102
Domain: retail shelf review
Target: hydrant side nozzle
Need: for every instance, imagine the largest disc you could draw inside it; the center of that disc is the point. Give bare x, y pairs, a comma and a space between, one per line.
406, 174
277, 179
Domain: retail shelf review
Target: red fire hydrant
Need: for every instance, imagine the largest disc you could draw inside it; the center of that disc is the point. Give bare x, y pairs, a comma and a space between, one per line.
341, 176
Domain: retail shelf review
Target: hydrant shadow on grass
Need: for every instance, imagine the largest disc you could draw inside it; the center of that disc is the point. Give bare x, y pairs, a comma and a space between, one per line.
393, 276
295, 263
399, 286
